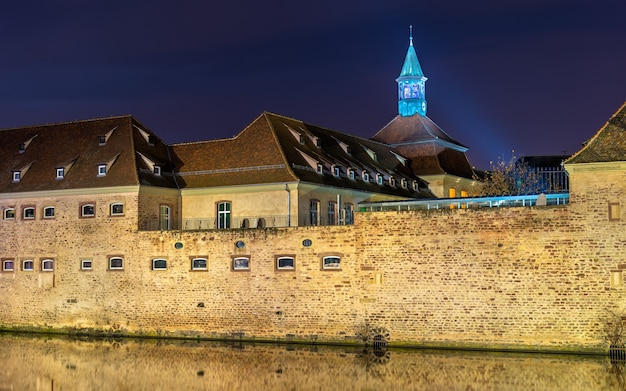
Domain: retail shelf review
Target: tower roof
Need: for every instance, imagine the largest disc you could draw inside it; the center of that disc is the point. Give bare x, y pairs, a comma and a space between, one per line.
411, 66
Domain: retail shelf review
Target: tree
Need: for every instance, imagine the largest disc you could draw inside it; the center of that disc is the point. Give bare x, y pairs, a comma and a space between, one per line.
512, 177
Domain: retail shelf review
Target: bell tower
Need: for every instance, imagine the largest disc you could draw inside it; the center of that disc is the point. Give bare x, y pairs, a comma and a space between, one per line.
411, 84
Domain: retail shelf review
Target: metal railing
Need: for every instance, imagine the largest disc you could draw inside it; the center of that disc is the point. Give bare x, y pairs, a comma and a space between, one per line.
467, 202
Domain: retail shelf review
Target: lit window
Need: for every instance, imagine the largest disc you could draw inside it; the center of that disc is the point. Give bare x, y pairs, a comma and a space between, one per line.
452, 193
331, 262
159, 264
102, 169
48, 212
8, 265
285, 263
47, 265
60, 173
17, 176
117, 209
28, 265
157, 170
9, 214
86, 264
241, 263
198, 264
28, 213
223, 215
116, 263
464, 193
87, 210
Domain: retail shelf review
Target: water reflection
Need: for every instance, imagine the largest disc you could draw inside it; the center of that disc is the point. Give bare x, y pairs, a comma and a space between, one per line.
51, 363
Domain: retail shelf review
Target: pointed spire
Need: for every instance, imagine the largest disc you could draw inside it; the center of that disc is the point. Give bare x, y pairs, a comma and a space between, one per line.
411, 84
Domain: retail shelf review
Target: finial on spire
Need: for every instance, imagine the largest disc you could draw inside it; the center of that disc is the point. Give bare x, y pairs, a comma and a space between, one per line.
410, 35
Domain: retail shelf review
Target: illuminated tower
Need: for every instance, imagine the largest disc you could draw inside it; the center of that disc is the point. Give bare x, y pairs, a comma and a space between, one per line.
411, 84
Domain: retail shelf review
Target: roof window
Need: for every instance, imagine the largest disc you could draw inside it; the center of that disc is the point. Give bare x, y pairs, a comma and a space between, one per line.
102, 139
22, 146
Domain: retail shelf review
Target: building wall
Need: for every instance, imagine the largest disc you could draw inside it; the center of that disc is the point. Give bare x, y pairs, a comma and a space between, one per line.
532, 278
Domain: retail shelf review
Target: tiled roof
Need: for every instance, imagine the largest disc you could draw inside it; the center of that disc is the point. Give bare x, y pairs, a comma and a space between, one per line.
413, 129
608, 144
75, 146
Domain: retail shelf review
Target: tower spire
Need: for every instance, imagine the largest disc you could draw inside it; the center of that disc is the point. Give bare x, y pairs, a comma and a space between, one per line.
411, 84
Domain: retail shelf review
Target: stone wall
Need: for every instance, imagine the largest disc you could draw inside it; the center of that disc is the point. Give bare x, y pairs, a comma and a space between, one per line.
514, 278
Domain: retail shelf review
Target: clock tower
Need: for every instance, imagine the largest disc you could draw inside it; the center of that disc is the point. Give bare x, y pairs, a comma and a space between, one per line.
411, 84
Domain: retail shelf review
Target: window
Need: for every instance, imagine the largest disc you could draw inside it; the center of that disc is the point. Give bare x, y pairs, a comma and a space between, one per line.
164, 217
60, 173
614, 211
452, 193
464, 193
285, 263
47, 265
86, 264
301, 139
157, 170
198, 264
102, 169
117, 209
159, 264
116, 263
415, 186
336, 171
241, 263
8, 265
28, 213
48, 212
379, 179
9, 214
315, 212
351, 173
332, 208
392, 181
102, 140
320, 168
28, 265
366, 176
87, 210
348, 216
331, 262
223, 215
17, 176
403, 183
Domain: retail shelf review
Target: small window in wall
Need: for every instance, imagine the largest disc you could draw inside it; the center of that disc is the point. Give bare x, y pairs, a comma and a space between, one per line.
452, 193
9, 214
614, 211
332, 262
198, 264
8, 265
102, 169
86, 264
47, 265
223, 214
60, 173
117, 209
17, 176
285, 263
464, 193
241, 263
48, 212
87, 210
28, 265
28, 213
159, 264
116, 263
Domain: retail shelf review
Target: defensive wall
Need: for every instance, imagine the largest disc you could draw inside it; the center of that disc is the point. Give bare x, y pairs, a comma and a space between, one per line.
538, 278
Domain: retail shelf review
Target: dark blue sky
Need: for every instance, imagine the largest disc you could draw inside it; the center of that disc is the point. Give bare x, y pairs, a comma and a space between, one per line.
536, 76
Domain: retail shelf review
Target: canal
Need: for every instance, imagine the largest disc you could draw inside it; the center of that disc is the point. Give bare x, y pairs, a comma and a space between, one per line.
35, 362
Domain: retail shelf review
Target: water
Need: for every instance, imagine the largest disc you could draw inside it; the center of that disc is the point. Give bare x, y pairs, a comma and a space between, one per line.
52, 363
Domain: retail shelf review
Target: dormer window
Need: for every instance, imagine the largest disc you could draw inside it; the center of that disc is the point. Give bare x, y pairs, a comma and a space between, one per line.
102, 140
157, 170
379, 179
351, 173
301, 137
17, 176
371, 153
349, 150
403, 183
336, 171
60, 173
415, 186
102, 169
22, 147
151, 139
320, 168
365, 176
392, 182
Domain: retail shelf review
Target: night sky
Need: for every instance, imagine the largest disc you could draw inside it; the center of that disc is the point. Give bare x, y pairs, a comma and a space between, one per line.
536, 76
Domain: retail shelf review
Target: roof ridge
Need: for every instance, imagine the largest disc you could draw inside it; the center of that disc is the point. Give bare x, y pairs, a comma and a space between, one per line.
76, 121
